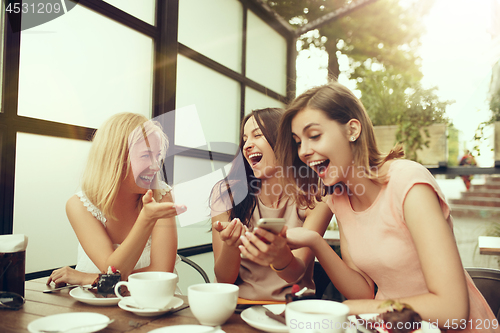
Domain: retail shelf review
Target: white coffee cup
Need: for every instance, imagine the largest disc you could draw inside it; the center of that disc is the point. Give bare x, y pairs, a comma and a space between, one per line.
213, 303
316, 315
150, 289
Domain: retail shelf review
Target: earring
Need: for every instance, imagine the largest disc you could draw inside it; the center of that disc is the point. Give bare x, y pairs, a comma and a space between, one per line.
353, 138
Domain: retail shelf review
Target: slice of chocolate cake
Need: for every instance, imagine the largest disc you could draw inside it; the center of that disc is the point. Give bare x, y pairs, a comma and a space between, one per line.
298, 294
107, 281
401, 318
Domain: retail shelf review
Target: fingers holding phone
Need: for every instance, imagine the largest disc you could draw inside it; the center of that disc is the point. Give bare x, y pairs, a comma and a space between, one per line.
271, 227
266, 242
274, 225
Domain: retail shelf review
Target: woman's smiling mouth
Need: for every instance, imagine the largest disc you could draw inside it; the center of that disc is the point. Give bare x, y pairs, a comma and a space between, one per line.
320, 167
145, 179
254, 158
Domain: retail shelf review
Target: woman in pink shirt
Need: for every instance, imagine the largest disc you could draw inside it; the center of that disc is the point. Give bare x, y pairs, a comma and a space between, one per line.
395, 225
252, 190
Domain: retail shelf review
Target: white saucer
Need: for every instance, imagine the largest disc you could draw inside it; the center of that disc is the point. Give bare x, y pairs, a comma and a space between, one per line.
256, 317
128, 304
426, 326
65, 321
86, 296
186, 329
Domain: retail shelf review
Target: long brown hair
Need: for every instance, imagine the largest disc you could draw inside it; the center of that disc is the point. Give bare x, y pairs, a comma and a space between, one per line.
238, 192
339, 104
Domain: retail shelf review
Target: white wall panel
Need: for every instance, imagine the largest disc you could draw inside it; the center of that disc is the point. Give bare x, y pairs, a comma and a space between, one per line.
266, 55
48, 173
213, 28
82, 67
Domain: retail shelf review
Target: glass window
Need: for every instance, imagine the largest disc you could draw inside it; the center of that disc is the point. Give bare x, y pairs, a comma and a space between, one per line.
189, 118
266, 55
217, 101
213, 28
257, 100
194, 191
48, 173
143, 10
82, 67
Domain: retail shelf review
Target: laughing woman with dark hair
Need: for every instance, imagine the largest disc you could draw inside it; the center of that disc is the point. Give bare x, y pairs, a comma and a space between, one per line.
258, 261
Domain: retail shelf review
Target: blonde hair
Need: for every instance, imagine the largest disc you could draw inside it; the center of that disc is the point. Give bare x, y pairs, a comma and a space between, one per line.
108, 163
339, 104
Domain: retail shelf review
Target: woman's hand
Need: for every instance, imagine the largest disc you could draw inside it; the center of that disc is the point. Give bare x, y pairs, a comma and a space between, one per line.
301, 237
68, 275
225, 241
153, 210
230, 232
265, 248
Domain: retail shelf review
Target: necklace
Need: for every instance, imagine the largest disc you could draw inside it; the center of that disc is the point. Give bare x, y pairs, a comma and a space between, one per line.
277, 201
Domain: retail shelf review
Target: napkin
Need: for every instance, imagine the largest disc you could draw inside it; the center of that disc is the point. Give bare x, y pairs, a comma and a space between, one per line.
13, 243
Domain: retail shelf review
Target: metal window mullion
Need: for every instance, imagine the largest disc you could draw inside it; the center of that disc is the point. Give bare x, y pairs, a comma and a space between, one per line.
221, 69
121, 16
10, 84
291, 68
243, 61
165, 71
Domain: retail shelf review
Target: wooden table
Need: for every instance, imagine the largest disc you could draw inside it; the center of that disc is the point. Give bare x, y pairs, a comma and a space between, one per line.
489, 245
39, 305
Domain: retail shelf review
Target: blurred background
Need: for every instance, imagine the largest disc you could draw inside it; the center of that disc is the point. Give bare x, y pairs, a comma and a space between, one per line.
428, 74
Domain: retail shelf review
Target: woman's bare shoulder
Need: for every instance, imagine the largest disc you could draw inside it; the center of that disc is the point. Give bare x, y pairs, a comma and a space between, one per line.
74, 202
79, 209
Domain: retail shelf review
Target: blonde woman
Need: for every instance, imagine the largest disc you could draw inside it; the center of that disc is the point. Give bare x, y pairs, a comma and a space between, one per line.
124, 215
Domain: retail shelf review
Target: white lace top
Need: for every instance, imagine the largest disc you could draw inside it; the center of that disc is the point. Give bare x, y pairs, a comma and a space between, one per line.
84, 264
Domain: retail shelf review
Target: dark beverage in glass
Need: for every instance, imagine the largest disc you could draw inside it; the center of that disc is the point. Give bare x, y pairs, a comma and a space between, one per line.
12, 271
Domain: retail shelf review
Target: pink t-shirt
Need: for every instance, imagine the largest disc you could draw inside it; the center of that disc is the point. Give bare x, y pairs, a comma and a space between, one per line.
381, 245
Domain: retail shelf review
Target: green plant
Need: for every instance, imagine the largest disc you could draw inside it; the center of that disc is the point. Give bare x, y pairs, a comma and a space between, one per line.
493, 230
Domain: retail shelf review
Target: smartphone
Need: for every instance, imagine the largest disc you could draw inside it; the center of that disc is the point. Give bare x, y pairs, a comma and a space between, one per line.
273, 225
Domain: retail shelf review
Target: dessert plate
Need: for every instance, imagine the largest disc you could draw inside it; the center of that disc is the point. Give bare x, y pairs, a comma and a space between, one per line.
426, 327
128, 304
256, 317
187, 329
85, 296
65, 321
